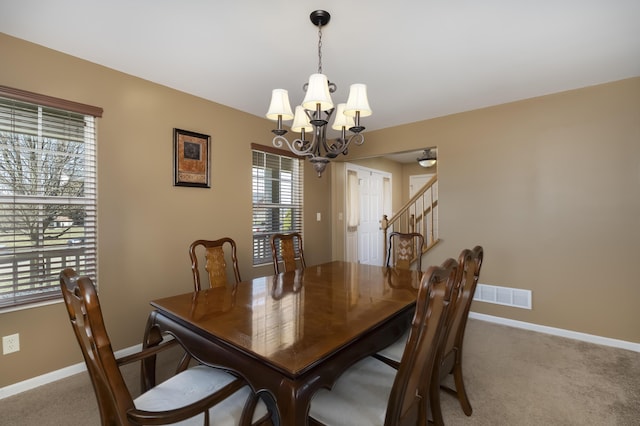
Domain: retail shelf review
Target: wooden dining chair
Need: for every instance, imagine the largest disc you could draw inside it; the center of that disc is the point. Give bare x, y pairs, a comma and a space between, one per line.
373, 393
450, 362
449, 357
215, 262
403, 249
286, 252
196, 396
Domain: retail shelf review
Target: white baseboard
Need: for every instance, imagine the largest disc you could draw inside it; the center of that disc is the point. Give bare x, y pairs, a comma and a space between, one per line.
44, 379
621, 344
53, 376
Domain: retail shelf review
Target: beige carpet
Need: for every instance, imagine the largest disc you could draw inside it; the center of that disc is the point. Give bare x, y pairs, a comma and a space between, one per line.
513, 377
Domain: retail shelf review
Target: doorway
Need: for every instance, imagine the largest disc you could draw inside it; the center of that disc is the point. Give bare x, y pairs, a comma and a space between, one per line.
368, 198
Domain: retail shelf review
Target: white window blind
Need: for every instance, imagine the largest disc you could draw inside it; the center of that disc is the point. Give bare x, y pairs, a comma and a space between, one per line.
47, 197
277, 200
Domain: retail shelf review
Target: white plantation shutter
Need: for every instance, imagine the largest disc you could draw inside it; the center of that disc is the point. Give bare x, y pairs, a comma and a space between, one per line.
47, 194
277, 199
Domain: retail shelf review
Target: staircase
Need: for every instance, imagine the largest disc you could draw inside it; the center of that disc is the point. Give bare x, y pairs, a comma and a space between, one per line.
419, 214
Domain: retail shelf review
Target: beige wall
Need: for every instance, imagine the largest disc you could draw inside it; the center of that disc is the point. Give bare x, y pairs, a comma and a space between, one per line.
145, 223
550, 187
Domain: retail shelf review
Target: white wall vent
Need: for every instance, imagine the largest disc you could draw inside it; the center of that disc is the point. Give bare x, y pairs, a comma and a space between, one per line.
507, 296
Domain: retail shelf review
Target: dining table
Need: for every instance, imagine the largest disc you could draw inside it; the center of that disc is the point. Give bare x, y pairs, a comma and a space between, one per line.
292, 333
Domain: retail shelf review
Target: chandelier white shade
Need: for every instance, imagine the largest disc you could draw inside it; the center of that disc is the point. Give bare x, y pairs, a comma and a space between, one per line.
342, 121
316, 110
301, 121
318, 95
358, 101
280, 106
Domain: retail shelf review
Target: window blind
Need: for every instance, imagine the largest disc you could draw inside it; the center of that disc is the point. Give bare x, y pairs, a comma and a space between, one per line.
47, 198
277, 199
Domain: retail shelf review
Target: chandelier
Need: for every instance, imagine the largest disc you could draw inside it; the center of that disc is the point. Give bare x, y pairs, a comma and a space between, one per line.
315, 112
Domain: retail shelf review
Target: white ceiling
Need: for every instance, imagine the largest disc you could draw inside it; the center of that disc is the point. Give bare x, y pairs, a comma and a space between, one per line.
420, 59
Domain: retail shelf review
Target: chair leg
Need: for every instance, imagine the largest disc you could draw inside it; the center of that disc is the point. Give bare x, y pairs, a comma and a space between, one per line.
152, 337
434, 401
461, 392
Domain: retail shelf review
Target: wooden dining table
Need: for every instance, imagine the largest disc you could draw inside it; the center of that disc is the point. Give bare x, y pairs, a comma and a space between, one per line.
292, 333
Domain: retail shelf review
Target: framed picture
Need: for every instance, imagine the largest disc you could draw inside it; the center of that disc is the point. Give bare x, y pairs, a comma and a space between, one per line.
191, 155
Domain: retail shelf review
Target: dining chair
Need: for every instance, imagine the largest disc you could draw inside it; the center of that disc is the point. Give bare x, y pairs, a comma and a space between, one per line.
373, 393
449, 358
286, 252
195, 396
404, 249
215, 262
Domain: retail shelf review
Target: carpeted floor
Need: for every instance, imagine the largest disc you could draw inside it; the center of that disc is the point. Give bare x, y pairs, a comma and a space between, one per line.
513, 377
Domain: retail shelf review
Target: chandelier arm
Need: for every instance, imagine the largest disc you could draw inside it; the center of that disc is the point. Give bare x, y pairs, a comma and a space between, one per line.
298, 146
341, 145
358, 138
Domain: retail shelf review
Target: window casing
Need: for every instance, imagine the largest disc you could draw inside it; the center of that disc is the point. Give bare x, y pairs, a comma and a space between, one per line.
47, 195
277, 182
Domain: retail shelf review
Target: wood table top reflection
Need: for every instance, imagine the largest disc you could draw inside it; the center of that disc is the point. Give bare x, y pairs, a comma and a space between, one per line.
294, 323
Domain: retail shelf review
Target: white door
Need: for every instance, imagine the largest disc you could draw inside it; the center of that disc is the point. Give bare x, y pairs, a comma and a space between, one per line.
418, 181
369, 235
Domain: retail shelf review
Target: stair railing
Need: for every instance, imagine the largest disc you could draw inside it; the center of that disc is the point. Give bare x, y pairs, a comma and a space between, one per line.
419, 214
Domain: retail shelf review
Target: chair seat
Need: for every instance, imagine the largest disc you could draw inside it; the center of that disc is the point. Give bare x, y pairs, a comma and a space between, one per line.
395, 350
359, 397
192, 385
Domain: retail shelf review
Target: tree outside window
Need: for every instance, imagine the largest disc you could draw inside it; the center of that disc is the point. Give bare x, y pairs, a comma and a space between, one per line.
48, 199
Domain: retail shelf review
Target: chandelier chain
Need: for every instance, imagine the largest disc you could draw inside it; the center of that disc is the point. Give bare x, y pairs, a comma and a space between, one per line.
319, 49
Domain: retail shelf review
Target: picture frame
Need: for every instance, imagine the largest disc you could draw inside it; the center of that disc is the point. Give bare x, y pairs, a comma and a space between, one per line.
191, 159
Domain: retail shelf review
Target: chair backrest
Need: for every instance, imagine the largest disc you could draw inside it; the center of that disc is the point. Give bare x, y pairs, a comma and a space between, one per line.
403, 249
85, 314
470, 263
410, 392
286, 250
215, 262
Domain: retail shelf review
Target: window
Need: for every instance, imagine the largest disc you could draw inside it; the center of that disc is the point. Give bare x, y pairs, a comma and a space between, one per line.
277, 198
47, 194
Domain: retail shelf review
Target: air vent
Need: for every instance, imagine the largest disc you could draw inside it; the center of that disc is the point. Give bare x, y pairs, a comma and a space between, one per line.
507, 296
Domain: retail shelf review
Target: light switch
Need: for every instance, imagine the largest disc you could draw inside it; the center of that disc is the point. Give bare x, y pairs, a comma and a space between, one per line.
318, 216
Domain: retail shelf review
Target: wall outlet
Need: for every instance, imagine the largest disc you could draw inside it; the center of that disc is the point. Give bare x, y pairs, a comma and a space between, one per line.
10, 343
